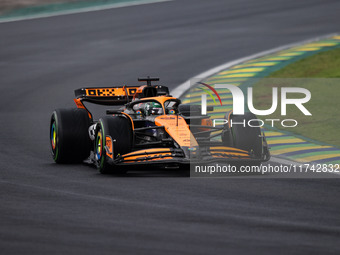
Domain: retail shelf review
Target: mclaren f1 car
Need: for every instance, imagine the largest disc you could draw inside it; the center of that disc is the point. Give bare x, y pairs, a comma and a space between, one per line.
145, 125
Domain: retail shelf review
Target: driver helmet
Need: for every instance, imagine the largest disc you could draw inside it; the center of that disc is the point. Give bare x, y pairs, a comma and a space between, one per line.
152, 108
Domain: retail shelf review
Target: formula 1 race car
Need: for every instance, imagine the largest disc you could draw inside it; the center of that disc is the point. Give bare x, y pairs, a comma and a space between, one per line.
150, 127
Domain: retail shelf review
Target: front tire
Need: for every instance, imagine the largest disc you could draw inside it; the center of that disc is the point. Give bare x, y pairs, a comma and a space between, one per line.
117, 129
244, 137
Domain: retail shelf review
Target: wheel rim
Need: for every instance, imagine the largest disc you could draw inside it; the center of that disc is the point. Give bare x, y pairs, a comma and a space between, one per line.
99, 145
53, 136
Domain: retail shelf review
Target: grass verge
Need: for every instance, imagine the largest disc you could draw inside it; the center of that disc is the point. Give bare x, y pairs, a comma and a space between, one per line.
324, 105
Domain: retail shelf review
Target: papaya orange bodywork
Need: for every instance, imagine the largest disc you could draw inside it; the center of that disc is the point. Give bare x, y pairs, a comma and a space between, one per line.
80, 105
178, 129
108, 143
148, 154
110, 92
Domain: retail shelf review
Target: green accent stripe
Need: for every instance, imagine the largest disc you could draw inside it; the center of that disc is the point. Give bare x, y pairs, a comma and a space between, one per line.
209, 93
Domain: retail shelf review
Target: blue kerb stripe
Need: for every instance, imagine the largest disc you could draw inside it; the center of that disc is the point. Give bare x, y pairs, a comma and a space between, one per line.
326, 160
275, 136
307, 151
278, 144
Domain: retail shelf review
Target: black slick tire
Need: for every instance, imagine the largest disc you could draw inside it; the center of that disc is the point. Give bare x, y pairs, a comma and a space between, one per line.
69, 139
119, 130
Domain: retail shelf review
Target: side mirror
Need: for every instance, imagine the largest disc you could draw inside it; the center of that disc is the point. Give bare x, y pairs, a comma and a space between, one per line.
171, 110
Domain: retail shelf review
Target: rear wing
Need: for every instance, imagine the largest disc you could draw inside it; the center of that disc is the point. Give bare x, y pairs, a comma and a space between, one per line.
106, 96
119, 95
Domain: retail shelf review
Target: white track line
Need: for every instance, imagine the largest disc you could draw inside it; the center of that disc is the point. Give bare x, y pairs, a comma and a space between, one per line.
179, 90
81, 10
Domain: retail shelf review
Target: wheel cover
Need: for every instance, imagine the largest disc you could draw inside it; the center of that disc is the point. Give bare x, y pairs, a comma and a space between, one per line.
99, 145
53, 136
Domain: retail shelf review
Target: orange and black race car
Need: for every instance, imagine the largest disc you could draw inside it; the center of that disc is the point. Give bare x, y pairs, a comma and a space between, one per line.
150, 127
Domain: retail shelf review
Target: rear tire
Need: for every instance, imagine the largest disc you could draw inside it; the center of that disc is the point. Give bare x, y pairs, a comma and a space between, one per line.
119, 129
69, 137
244, 138
247, 138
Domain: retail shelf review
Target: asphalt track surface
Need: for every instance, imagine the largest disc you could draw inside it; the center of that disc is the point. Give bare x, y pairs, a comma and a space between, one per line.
71, 209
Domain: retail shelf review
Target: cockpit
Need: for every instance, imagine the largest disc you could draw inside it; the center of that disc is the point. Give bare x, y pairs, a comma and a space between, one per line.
151, 107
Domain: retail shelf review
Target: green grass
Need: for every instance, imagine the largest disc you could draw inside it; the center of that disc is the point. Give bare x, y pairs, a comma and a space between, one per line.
324, 123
